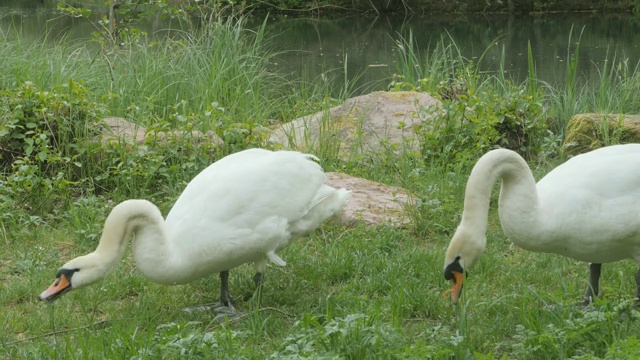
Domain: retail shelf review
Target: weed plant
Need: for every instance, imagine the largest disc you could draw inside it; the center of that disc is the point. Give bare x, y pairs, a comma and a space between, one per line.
352, 292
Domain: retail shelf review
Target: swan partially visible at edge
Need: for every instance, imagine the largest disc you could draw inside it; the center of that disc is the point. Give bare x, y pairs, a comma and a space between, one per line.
587, 209
242, 208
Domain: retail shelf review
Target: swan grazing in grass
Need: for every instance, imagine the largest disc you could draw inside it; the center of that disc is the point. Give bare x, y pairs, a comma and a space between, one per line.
587, 209
243, 208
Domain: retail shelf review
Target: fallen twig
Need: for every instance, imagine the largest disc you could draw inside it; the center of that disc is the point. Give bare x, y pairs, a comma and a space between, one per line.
57, 332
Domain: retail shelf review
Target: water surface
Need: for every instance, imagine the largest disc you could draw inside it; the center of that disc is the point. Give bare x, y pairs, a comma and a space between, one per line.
316, 46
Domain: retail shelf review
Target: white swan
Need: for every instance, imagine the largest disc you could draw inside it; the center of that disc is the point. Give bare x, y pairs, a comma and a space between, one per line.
587, 209
242, 208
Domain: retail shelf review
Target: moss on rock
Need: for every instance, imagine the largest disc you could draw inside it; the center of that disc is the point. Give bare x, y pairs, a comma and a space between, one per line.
586, 132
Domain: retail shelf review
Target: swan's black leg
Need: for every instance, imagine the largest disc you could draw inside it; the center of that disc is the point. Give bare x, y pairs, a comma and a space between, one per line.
224, 308
225, 297
594, 282
258, 279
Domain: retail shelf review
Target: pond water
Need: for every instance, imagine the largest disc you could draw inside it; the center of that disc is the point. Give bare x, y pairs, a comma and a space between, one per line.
317, 45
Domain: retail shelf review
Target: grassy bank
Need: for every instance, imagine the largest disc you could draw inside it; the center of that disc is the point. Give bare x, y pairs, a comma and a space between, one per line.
347, 292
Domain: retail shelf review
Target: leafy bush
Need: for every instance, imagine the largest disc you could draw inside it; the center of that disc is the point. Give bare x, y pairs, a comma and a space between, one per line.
43, 136
51, 149
239, 136
158, 169
471, 121
477, 111
36, 125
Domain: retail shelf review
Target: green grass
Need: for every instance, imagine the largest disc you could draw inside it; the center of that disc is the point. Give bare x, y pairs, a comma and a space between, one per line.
346, 292
222, 69
516, 304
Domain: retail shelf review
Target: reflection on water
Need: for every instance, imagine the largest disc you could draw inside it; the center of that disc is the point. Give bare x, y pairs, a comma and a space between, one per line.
370, 44
321, 44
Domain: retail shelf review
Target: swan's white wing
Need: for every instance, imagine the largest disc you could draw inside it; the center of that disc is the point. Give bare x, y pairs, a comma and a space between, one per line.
592, 205
243, 205
605, 174
247, 187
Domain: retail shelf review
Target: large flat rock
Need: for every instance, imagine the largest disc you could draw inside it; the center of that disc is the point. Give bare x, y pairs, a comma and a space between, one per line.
372, 123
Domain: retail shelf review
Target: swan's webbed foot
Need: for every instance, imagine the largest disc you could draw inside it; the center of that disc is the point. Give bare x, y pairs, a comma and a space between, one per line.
221, 308
226, 312
224, 309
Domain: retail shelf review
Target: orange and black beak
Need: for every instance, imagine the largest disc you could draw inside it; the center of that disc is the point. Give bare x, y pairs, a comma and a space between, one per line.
455, 273
456, 289
59, 287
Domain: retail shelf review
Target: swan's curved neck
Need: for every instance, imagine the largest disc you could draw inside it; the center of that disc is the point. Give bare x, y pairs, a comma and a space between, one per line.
518, 194
151, 248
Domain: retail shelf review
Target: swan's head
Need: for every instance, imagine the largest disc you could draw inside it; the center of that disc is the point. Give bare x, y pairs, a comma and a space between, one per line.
464, 249
79, 272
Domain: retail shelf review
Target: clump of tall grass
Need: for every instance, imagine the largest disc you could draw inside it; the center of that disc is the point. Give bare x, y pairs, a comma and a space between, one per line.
425, 74
478, 110
45, 62
508, 108
615, 90
219, 65
222, 63
216, 77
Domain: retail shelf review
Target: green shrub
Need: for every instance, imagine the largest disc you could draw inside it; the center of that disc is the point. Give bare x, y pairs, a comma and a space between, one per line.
44, 137
51, 149
37, 125
471, 121
478, 111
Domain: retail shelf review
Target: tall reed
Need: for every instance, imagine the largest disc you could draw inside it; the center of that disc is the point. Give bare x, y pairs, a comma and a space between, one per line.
614, 91
426, 71
222, 63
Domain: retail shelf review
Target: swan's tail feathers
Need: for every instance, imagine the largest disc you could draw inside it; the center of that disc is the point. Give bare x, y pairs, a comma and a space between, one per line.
327, 202
335, 204
271, 255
